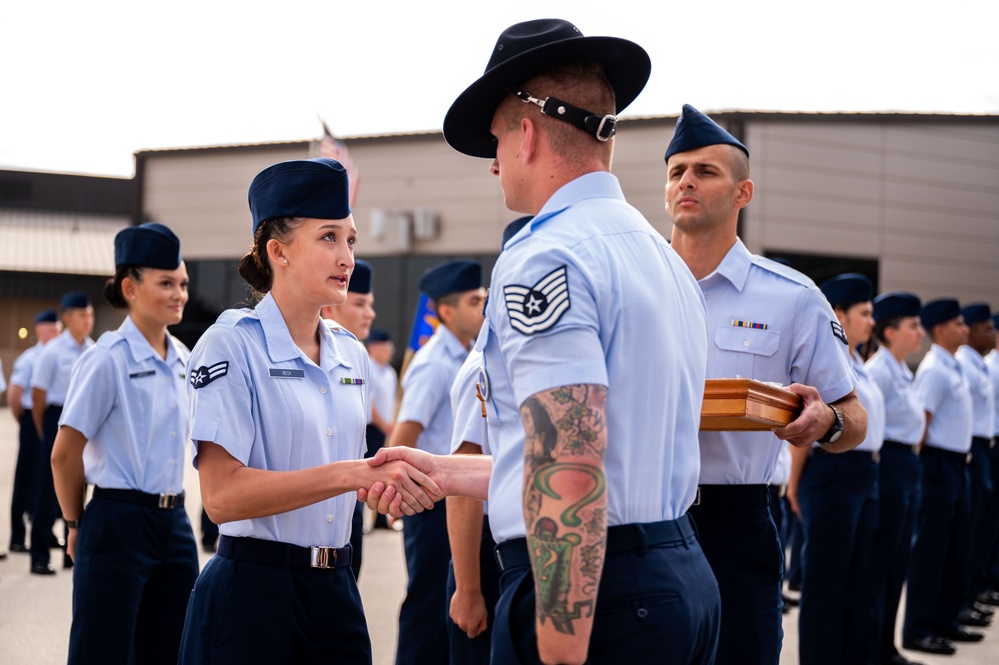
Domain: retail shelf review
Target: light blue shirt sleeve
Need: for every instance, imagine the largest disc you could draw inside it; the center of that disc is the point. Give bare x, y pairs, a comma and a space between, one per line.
92, 392
469, 423
425, 389
221, 400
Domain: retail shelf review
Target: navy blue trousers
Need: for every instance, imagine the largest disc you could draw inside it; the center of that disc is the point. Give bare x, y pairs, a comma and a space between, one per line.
22, 495
422, 627
838, 497
466, 650
793, 549
356, 539
740, 541
134, 571
982, 517
933, 593
245, 613
46, 505
987, 575
658, 605
898, 501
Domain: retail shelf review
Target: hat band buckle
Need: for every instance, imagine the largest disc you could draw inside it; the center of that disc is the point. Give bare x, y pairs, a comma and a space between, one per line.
601, 128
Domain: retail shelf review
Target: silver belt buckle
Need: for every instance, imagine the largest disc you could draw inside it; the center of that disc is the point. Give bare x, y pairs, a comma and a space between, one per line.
167, 501
320, 557
876, 456
499, 559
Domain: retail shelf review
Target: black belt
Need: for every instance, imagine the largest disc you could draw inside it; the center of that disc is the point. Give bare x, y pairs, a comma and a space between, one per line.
273, 553
952, 455
744, 495
620, 538
903, 447
984, 441
866, 455
163, 501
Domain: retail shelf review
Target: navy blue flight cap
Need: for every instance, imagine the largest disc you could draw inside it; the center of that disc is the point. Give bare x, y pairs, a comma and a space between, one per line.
360, 278
74, 299
976, 312
150, 245
522, 52
896, 304
848, 289
46, 316
939, 311
379, 335
995, 320
695, 130
514, 226
315, 188
451, 277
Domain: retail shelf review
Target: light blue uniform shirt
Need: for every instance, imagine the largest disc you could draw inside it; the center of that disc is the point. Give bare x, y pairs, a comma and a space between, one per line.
992, 362
131, 405
946, 395
55, 364
782, 470
426, 390
873, 401
590, 293
3, 383
21, 373
983, 399
905, 418
258, 396
799, 344
469, 424
384, 385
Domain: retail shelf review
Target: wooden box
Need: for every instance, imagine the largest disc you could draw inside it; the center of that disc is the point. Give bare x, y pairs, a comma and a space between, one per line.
745, 404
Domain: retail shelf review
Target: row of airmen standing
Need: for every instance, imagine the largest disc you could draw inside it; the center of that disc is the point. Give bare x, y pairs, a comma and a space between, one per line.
594, 352
913, 503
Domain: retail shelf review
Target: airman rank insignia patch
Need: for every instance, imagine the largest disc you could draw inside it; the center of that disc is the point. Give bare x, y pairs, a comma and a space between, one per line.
534, 309
202, 376
839, 332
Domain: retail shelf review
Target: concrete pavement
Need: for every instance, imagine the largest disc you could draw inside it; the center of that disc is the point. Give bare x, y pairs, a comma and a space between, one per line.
35, 611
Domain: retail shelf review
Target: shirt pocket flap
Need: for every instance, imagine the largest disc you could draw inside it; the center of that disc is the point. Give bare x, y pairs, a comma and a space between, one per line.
747, 340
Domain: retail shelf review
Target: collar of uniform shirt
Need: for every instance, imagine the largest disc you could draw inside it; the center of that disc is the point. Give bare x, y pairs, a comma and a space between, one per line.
280, 346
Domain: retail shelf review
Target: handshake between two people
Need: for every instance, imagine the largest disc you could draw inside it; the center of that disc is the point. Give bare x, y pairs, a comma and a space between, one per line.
409, 481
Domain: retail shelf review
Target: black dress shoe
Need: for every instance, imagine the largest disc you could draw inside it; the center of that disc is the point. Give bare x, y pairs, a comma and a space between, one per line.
3, 555
67, 561
18, 547
39, 568
990, 597
789, 601
930, 645
969, 617
55, 541
962, 634
982, 609
898, 659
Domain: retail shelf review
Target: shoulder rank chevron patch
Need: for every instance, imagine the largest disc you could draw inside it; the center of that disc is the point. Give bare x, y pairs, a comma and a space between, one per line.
202, 376
534, 309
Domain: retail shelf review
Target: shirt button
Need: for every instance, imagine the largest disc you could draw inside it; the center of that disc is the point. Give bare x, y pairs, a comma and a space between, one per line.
329, 519
329, 431
322, 390
745, 342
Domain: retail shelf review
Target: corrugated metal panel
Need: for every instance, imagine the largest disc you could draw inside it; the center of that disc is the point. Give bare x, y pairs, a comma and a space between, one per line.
64, 243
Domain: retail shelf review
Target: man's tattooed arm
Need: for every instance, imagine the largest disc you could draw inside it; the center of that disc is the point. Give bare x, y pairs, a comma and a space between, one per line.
565, 510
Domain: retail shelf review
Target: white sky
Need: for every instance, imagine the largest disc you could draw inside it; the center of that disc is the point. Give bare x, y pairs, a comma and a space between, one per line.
84, 84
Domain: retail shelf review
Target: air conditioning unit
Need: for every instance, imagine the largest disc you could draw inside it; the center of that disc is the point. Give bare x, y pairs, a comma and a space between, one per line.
393, 228
425, 224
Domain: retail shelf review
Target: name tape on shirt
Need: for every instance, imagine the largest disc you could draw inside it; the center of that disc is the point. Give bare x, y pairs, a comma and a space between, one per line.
139, 375
839, 332
202, 376
534, 309
278, 373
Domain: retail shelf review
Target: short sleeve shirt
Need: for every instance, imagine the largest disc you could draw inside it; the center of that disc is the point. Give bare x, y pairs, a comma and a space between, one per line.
255, 394
873, 401
131, 405
943, 388
54, 366
426, 390
21, 372
992, 362
590, 293
982, 395
770, 323
905, 418
384, 385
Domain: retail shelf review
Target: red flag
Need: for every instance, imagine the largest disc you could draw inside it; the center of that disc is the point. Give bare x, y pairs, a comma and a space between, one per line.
332, 148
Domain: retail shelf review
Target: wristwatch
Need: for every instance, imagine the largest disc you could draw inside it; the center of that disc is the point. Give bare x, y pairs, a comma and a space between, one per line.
836, 430
72, 524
